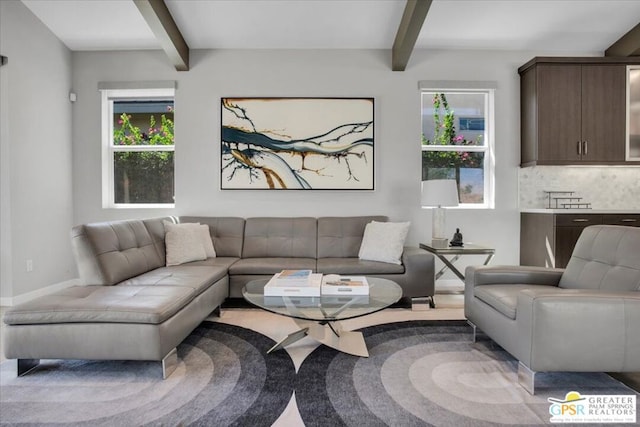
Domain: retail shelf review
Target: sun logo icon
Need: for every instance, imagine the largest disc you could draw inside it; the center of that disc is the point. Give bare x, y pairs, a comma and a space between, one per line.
572, 396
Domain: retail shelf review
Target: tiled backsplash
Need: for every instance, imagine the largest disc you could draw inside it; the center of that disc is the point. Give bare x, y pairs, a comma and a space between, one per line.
604, 187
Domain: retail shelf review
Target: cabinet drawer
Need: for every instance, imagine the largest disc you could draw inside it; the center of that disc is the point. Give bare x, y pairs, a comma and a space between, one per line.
630, 220
577, 220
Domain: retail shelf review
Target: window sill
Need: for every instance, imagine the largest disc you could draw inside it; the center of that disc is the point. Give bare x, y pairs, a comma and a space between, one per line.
141, 206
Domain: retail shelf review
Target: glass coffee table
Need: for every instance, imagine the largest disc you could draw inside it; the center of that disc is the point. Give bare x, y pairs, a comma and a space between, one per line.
319, 317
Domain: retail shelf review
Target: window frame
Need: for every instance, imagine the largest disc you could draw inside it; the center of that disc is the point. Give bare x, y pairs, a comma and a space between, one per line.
109, 149
489, 135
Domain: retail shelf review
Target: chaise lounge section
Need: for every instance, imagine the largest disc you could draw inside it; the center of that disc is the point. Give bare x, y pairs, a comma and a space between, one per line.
134, 307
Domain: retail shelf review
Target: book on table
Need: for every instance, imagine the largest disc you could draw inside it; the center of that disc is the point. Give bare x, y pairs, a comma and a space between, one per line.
299, 283
294, 276
333, 284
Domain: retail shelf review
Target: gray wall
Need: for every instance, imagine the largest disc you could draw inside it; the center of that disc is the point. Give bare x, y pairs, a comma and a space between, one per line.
36, 167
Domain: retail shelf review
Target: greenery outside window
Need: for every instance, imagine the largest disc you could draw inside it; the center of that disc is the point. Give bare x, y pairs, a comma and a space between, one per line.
138, 148
457, 142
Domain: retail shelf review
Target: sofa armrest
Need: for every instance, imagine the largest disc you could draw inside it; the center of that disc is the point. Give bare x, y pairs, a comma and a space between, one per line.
419, 269
509, 275
599, 325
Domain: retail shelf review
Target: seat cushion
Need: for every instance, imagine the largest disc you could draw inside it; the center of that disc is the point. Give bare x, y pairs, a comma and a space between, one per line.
103, 304
271, 265
198, 278
224, 262
357, 266
504, 298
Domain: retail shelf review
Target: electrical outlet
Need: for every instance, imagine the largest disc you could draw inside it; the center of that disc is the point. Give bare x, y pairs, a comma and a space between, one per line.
29, 265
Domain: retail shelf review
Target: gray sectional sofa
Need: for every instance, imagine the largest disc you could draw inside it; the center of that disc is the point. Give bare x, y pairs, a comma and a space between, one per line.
133, 307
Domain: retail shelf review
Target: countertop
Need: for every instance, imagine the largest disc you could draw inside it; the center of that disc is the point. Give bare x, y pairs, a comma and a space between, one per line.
582, 211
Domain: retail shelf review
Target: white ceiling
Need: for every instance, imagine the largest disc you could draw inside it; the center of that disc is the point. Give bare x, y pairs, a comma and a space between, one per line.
573, 26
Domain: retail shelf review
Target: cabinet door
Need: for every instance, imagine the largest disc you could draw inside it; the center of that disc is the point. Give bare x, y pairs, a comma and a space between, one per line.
568, 229
603, 113
629, 220
559, 113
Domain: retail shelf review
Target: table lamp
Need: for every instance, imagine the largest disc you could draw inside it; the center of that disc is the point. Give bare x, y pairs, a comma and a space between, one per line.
439, 193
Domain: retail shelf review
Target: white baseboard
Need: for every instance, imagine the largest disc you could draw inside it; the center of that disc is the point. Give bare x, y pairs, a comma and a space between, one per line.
19, 299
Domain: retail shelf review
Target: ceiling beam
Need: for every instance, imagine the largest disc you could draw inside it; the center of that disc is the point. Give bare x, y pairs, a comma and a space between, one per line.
627, 45
415, 12
159, 19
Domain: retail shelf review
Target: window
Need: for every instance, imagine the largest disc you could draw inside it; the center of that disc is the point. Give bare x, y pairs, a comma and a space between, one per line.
457, 142
138, 148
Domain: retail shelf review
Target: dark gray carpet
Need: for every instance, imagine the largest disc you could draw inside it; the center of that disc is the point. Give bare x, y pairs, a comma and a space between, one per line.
419, 373
424, 373
225, 378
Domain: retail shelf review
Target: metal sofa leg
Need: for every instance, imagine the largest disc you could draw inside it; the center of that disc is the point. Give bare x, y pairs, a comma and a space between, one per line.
27, 365
169, 363
429, 299
474, 329
526, 378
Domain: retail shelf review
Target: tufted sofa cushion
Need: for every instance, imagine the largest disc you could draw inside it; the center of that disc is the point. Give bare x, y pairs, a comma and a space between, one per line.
280, 237
606, 258
108, 253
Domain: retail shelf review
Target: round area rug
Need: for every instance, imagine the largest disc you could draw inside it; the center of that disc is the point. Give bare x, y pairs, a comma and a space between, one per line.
224, 377
430, 373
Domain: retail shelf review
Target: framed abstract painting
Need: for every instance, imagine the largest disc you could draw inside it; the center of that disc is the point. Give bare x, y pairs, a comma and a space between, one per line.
297, 144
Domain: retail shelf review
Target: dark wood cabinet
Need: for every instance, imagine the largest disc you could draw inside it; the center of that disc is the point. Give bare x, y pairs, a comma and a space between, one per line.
604, 117
559, 113
573, 111
548, 239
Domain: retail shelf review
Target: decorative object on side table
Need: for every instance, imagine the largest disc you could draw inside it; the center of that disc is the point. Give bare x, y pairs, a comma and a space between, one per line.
439, 193
457, 239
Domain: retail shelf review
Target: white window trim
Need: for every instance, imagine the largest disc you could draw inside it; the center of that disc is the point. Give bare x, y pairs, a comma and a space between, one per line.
627, 150
489, 158
109, 149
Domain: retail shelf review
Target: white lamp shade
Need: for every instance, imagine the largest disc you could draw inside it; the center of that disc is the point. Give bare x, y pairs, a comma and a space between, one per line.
440, 192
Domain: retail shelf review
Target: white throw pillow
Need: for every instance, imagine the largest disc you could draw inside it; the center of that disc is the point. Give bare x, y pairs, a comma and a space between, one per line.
187, 242
384, 241
207, 243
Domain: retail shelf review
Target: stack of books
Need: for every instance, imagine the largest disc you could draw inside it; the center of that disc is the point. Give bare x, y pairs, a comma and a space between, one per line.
332, 284
302, 283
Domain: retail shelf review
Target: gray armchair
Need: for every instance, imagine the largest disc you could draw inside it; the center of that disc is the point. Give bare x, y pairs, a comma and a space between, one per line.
585, 318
